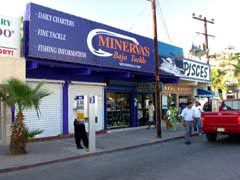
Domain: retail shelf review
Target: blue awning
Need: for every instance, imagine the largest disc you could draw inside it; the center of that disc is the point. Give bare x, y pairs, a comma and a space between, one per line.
205, 93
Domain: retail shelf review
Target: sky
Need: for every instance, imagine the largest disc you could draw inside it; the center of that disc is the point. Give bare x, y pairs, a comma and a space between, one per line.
136, 16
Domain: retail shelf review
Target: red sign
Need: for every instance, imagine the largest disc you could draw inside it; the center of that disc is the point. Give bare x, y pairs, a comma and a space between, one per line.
5, 51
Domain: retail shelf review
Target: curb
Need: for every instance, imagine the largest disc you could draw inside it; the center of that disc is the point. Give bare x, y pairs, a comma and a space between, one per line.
17, 168
61, 137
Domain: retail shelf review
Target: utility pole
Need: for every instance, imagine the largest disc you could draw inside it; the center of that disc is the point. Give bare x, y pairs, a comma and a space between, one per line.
205, 31
157, 73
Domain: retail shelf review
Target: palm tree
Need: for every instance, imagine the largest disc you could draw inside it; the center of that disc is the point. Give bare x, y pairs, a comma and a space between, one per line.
19, 93
234, 60
218, 80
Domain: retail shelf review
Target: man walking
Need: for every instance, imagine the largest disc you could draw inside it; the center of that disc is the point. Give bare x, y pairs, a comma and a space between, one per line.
187, 120
151, 110
197, 117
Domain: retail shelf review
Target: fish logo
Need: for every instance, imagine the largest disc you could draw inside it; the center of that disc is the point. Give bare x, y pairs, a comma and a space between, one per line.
99, 51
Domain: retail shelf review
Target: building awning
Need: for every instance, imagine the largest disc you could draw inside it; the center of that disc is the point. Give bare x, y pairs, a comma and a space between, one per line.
205, 93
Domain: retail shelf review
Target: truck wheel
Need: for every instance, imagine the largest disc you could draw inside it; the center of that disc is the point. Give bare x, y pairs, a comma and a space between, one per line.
212, 137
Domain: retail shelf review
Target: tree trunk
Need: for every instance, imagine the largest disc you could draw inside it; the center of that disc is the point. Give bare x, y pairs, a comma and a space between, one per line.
18, 142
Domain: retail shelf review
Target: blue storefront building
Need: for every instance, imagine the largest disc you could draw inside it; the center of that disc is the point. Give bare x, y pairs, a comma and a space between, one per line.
76, 56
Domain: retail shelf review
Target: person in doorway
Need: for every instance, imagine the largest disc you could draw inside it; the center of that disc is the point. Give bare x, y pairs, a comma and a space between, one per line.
172, 114
79, 129
151, 110
187, 120
197, 117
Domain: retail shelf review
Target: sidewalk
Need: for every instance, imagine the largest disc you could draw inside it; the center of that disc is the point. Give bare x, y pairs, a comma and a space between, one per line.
46, 152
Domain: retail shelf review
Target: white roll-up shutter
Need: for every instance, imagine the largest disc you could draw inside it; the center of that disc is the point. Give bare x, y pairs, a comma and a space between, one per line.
86, 89
50, 120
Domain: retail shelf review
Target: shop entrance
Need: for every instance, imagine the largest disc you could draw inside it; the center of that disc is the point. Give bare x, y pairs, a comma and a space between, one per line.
118, 110
183, 102
142, 114
167, 100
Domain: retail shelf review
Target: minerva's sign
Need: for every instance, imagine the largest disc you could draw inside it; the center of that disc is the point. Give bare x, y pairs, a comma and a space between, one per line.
9, 36
54, 35
124, 49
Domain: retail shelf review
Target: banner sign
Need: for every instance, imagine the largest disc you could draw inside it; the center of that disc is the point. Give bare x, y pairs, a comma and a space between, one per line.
55, 35
9, 36
171, 66
185, 69
170, 60
195, 70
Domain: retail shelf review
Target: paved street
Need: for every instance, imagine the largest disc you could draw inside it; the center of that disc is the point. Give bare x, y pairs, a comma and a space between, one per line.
169, 160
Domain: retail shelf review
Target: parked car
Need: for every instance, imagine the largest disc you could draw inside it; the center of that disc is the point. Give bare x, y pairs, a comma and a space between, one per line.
225, 121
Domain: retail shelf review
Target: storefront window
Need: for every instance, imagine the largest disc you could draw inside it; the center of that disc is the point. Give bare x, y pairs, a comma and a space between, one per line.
118, 110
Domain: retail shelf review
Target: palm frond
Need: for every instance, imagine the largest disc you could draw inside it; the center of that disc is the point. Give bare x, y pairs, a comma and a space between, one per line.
18, 93
22, 94
30, 134
37, 97
2, 93
38, 86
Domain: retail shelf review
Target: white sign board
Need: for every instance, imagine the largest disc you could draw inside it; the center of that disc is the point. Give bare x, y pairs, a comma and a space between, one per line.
195, 70
164, 102
9, 36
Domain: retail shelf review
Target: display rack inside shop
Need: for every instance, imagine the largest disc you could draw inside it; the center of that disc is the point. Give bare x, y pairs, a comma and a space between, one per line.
118, 118
118, 110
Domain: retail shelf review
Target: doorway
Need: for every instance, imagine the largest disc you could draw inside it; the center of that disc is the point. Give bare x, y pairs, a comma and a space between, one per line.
183, 100
142, 102
167, 100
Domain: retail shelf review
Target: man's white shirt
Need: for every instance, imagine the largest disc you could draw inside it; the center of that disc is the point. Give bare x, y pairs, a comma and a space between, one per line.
187, 114
197, 111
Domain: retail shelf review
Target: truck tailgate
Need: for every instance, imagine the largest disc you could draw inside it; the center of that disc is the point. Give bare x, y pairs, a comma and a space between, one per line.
221, 119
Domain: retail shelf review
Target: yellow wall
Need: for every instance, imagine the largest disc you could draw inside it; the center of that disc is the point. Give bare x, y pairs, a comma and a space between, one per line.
9, 67
12, 67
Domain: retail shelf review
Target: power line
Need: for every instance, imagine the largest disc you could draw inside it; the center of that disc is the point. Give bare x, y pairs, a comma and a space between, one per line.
140, 15
163, 20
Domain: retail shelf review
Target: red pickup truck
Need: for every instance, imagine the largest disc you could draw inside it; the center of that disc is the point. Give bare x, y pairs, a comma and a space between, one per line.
225, 121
